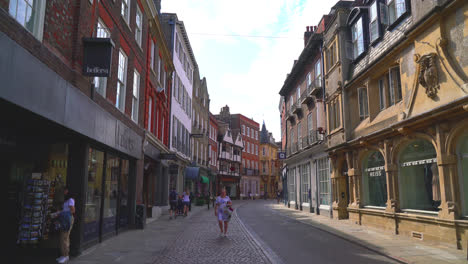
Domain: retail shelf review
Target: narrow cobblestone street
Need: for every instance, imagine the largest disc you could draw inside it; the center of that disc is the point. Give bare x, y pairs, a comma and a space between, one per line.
194, 239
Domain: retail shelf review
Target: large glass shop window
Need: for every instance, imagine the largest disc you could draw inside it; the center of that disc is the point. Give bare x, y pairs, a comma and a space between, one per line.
419, 177
292, 185
463, 172
374, 180
111, 193
93, 194
124, 209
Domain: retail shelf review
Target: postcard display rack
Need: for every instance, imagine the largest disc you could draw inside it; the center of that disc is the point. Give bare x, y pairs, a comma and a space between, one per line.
34, 213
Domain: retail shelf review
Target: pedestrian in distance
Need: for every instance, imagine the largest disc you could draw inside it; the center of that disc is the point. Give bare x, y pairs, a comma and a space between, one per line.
223, 211
172, 202
278, 196
250, 196
186, 201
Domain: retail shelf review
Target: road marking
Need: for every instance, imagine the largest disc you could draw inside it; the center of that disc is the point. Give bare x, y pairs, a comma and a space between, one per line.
267, 251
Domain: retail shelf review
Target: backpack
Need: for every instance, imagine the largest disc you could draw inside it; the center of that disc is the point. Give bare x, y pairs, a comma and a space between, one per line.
173, 196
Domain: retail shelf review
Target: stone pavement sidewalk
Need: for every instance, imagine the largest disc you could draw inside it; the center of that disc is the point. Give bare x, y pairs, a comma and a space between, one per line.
400, 248
193, 239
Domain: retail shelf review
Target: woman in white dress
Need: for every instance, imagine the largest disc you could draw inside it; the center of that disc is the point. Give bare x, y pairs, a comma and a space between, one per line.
222, 202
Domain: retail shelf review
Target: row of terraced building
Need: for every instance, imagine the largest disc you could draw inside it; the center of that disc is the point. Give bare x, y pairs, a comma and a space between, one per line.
374, 118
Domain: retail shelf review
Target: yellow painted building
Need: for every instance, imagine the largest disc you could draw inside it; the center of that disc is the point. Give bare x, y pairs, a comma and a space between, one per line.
269, 164
403, 163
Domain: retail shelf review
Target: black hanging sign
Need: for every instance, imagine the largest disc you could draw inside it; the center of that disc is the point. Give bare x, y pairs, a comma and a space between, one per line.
97, 56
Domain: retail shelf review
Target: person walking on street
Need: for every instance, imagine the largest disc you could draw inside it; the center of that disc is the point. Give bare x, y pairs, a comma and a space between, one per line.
186, 201
172, 202
222, 203
67, 212
278, 196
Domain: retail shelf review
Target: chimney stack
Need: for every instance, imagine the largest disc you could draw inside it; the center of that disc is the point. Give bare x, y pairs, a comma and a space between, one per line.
307, 34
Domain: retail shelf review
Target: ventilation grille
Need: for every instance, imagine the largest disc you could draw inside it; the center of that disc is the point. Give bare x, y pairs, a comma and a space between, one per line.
417, 235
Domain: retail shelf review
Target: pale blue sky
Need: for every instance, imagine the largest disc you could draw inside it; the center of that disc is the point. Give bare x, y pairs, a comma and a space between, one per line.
243, 72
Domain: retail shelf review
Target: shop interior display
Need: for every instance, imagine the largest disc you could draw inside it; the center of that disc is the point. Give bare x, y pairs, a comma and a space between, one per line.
34, 213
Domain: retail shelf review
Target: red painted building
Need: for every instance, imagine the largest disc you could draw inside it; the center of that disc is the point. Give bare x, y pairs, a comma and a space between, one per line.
159, 69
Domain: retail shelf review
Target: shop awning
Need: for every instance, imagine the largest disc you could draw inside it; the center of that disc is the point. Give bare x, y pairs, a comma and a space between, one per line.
191, 173
204, 179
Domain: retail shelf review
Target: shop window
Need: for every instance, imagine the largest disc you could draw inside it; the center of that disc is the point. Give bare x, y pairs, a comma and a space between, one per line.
463, 172
419, 177
363, 103
111, 194
374, 181
305, 180
30, 14
324, 181
292, 184
357, 38
93, 195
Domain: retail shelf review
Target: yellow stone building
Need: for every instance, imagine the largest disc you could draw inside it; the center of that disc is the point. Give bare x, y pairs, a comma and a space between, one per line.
402, 165
269, 164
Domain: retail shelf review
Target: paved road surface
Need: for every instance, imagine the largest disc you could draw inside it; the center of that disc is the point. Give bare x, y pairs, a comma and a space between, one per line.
290, 241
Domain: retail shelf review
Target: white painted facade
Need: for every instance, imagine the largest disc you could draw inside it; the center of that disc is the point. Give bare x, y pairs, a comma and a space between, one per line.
182, 86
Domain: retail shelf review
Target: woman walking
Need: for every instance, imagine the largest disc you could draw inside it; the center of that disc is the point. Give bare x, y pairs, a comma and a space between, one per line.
186, 201
222, 202
67, 212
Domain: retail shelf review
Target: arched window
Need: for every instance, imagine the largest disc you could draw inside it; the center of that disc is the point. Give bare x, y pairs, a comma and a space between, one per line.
419, 176
462, 152
374, 180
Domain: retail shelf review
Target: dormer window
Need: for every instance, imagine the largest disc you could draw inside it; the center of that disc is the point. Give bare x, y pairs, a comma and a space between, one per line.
357, 38
396, 8
374, 22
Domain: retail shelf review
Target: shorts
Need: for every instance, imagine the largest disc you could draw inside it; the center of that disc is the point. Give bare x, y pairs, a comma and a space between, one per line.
186, 203
173, 205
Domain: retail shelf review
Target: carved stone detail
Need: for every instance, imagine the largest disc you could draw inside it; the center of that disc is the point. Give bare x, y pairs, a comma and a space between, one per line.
428, 76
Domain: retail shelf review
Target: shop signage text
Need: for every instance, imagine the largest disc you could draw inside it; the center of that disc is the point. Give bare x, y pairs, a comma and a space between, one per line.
123, 138
167, 156
97, 56
281, 155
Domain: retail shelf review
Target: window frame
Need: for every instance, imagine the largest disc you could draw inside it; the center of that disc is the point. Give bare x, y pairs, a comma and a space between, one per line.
382, 93
363, 108
403, 15
122, 83
361, 37
126, 17
135, 97
100, 83
39, 20
139, 29
375, 20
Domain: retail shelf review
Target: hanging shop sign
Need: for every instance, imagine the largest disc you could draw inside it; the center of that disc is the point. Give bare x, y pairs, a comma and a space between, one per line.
282, 155
97, 56
167, 156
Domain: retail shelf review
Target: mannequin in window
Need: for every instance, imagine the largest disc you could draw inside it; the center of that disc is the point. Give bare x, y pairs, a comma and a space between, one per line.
435, 185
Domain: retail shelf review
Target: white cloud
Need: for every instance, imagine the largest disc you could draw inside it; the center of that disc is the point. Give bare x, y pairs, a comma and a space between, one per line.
247, 73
